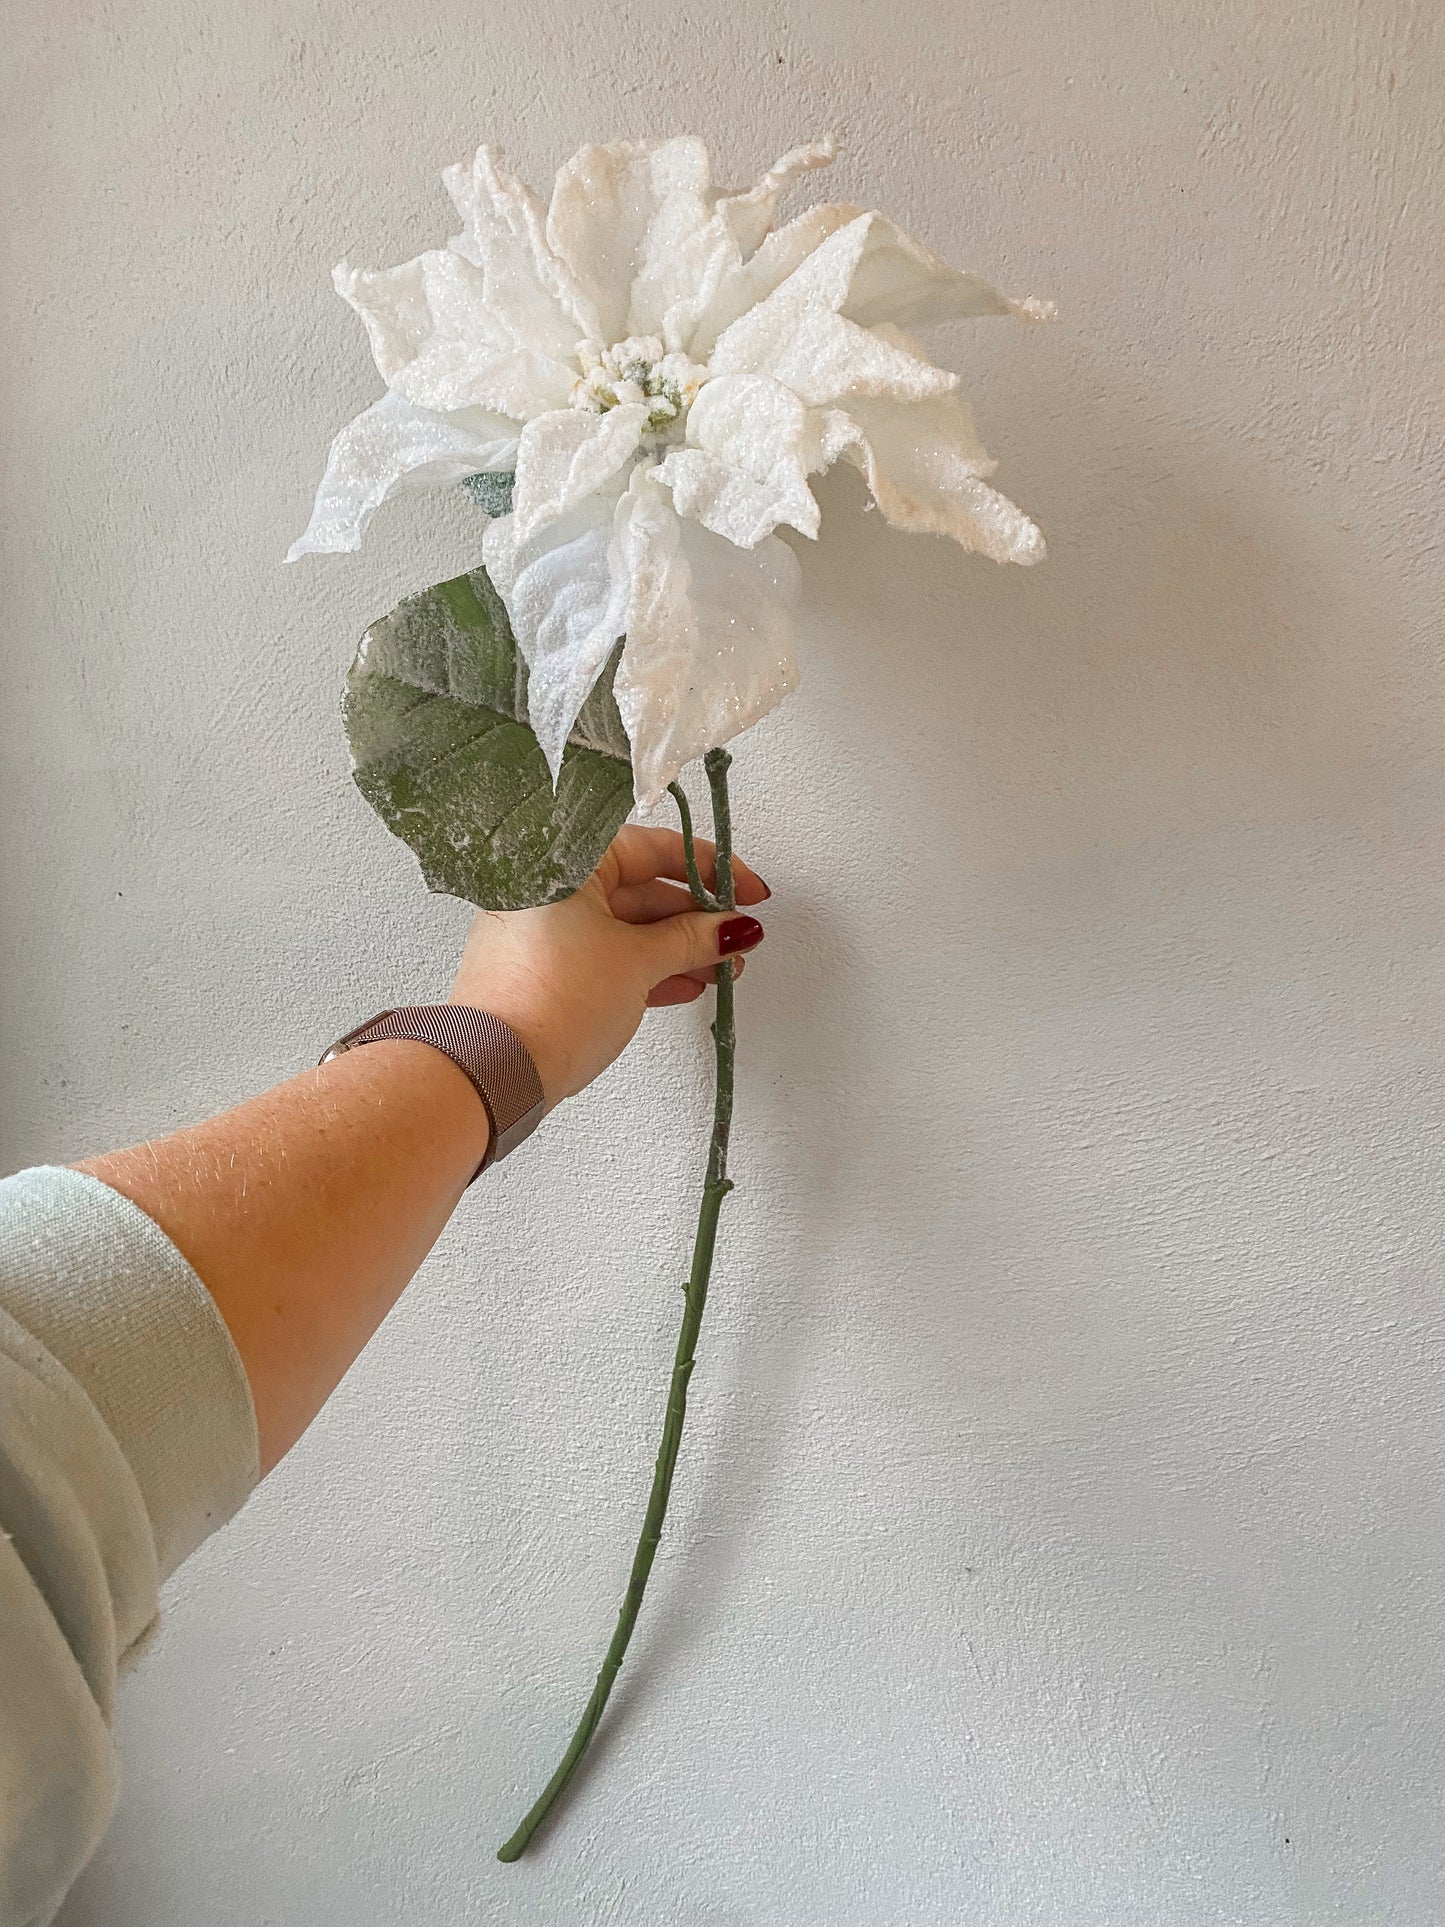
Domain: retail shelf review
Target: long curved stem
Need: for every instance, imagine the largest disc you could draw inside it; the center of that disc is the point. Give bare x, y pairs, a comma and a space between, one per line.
716, 1186
701, 895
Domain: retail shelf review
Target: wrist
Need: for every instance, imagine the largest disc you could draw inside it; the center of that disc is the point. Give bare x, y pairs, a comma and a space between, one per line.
404, 1074
482, 1048
527, 1025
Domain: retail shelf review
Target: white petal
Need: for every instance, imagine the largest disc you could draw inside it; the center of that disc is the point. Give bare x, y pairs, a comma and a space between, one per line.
735, 506
436, 342
749, 214
569, 454
824, 358
867, 271
679, 281
747, 419
616, 214
682, 249
394, 446
531, 293
896, 279
567, 607
709, 635
394, 307
925, 468
689, 265
742, 474
745, 283
517, 382
404, 308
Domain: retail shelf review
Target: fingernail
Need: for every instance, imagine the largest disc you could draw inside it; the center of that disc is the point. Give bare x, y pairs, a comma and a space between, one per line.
766, 891
738, 933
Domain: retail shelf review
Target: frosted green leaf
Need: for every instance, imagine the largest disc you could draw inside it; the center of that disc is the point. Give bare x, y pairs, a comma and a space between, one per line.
491, 492
435, 710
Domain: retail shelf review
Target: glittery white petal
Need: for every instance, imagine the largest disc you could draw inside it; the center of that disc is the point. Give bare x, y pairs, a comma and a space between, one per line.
518, 383
925, 469
866, 271
567, 602
532, 294
741, 474
400, 307
694, 267
734, 506
826, 359
649, 238
436, 342
683, 247
749, 212
569, 454
615, 214
744, 284
395, 446
709, 635
894, 278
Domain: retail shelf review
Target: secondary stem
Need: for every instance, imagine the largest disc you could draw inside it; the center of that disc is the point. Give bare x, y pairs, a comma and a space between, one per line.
716, 1186
701, 896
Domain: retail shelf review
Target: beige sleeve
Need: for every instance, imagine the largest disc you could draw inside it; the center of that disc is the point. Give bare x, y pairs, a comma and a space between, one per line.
127, 1435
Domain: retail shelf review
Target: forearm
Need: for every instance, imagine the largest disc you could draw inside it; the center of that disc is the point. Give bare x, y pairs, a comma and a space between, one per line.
307, 1210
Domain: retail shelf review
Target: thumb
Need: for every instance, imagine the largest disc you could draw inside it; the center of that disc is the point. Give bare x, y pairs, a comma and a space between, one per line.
694, 940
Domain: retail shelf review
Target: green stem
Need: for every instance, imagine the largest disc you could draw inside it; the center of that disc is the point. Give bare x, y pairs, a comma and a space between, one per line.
716, 1186
701, 895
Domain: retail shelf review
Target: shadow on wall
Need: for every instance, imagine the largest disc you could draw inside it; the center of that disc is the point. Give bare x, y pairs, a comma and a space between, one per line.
1201, 658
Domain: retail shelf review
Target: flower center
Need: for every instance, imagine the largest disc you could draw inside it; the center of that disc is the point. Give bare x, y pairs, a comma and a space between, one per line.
637, 370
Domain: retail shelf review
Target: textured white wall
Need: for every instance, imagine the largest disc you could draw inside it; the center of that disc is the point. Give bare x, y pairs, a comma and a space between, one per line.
1059, 1537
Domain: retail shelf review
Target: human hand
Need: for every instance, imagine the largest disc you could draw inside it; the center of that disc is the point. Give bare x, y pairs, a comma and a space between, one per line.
574, 978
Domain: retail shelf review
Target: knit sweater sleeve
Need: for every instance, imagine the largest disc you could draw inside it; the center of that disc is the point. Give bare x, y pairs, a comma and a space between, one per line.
127, 1435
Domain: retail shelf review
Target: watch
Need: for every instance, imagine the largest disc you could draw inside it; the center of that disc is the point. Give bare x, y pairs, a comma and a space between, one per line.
491, 1054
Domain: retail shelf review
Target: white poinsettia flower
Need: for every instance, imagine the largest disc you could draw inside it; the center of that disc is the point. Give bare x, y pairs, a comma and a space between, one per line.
664, 371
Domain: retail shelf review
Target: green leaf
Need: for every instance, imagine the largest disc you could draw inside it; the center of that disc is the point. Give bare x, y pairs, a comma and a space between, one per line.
492, 492
435, 710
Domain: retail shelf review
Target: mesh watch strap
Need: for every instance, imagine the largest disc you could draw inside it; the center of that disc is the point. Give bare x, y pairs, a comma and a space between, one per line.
489, 1051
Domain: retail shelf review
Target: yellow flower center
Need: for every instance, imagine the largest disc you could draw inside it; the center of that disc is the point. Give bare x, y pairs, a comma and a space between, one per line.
637, 370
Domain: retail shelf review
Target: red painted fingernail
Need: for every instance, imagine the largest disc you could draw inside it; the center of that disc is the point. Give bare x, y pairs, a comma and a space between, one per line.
738, 933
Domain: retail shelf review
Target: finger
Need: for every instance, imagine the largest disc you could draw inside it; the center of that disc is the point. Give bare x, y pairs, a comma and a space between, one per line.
674, 990
646, 853
698, 941
697, 979
642, 854
739, 964
649, 902
748, 886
